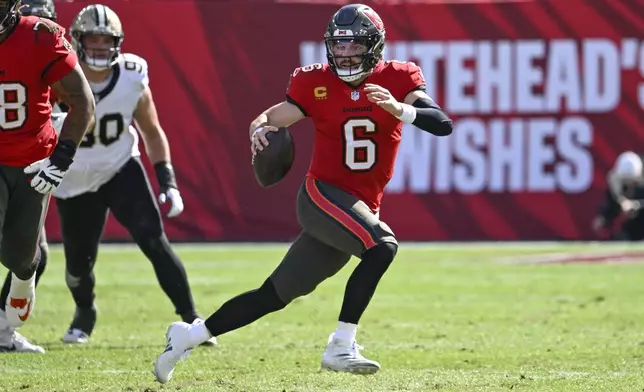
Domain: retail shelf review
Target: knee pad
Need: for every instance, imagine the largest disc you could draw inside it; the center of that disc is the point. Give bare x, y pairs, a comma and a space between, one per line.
382, 254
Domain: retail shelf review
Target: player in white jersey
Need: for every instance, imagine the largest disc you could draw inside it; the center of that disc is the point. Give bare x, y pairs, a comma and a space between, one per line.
114, 140
107, 174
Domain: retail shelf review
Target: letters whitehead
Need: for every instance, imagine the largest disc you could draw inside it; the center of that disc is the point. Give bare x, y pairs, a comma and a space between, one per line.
522, 112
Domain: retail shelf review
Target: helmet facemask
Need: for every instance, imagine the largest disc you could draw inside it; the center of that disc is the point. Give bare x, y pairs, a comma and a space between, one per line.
92, 49
351, 58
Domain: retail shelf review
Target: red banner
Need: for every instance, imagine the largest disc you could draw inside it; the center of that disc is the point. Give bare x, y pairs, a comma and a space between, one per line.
545, 94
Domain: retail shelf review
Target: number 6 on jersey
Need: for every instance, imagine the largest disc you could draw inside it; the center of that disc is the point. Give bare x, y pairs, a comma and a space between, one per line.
360, 153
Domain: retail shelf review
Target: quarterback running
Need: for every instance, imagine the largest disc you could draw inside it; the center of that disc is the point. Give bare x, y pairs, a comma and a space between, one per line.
357, 102
35, 58
108, 175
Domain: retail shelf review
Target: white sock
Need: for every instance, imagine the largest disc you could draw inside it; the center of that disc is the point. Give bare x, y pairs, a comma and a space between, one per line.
346, 332
199, 334
22, 288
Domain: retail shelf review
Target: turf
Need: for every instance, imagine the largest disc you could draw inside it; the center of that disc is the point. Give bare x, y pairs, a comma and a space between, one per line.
445, 318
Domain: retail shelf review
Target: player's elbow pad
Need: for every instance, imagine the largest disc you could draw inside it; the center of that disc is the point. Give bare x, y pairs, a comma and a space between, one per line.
431, 118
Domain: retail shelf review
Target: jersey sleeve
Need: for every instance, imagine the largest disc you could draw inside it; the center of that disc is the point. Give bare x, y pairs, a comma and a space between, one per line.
145, 79
295, 91
59, 57
413, 80
136, 69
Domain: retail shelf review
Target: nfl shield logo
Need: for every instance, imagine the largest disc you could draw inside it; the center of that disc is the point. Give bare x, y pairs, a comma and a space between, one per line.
355, 95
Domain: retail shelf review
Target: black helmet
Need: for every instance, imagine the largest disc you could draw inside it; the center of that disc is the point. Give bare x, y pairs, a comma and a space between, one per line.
8, 14
42, 8
359, 24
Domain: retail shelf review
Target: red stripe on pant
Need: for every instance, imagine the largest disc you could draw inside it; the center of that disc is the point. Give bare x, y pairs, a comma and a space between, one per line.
338, 214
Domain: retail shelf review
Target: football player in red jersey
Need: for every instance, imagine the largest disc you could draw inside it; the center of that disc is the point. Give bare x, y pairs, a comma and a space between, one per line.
358, 103
10, 339
35, 58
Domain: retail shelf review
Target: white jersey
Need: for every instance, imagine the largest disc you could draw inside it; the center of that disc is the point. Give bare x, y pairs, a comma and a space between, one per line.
113, 140
57, 118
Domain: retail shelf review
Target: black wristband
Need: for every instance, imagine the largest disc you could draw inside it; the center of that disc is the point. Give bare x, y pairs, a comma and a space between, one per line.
63, 154
165, 175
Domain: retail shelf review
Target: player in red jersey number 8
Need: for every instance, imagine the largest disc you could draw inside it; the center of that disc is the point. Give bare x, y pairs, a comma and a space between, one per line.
35, 58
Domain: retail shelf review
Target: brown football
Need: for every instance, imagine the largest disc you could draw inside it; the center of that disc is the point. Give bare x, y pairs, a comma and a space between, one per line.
274, 162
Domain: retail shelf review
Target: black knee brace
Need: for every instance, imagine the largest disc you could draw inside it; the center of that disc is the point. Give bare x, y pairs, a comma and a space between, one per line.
381, 255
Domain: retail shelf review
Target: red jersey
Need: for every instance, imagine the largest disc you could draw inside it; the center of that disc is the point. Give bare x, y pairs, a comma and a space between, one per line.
356, 142
33, 56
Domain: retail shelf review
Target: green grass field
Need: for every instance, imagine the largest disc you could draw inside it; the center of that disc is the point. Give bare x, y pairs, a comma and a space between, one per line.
445, 318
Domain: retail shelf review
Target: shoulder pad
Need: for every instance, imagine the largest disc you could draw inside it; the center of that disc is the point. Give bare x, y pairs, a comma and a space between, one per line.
134, 67
306, 74
46, 30
311, 69
406, 66
41, 24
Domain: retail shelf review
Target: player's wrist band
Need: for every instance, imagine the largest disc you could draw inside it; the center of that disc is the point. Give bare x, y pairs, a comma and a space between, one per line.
255, 133
408, 114
63, 154
165, 174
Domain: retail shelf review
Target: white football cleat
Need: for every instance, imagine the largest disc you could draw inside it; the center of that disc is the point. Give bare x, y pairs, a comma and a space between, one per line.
16, 343
177, 348
344, 356
75, 336
13, 342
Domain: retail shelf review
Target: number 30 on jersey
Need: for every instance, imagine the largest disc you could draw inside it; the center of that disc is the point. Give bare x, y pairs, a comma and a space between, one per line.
106, 131
360, 152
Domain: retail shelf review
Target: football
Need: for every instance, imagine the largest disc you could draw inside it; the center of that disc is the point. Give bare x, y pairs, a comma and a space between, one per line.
274, 162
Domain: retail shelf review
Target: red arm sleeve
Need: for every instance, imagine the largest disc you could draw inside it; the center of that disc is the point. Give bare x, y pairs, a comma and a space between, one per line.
59, 56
